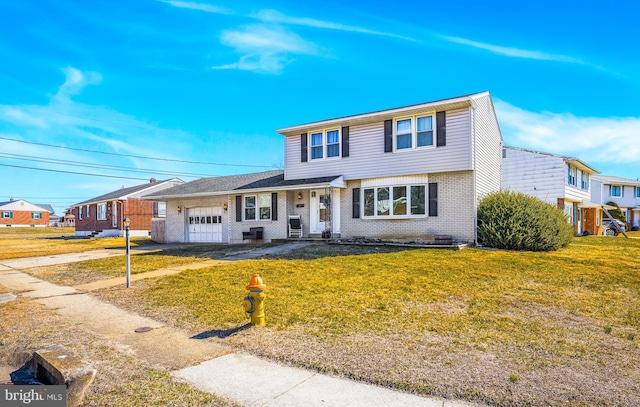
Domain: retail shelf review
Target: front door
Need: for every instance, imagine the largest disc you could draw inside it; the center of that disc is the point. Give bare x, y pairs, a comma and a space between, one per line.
318, 209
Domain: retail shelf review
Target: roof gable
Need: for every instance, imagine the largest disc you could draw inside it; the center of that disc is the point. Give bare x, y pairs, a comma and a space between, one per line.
124, 193
21, 205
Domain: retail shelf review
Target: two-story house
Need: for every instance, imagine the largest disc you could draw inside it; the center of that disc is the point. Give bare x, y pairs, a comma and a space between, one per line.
624, 192
557, 179
408, 173
103, 215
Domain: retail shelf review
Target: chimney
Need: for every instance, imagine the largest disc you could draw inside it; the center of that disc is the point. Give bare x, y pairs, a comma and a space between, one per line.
152, 180
11, 200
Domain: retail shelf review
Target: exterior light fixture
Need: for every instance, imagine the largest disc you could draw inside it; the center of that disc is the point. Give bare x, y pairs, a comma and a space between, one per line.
299, 195
225, 207
179, 209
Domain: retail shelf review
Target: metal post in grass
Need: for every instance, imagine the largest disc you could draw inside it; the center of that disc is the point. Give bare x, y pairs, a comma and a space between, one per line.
127, 222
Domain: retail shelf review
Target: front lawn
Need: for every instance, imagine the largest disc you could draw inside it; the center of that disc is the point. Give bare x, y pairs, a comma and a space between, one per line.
505, 328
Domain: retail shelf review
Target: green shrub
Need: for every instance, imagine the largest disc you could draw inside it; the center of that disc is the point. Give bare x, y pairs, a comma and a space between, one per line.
516, 221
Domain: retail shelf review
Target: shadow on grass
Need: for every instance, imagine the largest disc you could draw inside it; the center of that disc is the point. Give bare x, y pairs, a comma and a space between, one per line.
221, 333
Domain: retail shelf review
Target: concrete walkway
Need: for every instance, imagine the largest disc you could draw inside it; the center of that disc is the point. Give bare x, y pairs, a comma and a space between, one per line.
206, 364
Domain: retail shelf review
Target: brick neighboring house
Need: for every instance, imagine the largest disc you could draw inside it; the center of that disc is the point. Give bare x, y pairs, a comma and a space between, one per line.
408, 173
20, 213
103, 215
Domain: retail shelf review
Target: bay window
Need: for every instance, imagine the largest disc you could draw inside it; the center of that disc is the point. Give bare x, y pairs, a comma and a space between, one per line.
394, 201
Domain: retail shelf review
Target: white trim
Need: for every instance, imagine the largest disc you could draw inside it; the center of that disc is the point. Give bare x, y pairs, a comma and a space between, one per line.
324, 144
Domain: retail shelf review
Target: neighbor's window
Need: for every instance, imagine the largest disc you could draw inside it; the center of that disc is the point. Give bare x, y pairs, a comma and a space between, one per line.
36, 215
80, 212
615, 190
88, 211
7, 215
636, 192
572, 175
101, 213
394, 201
584, 181
414, 131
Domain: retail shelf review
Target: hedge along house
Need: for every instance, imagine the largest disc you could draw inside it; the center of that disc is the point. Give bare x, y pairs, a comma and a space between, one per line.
20, 213
560, 180
408, 173
103, 215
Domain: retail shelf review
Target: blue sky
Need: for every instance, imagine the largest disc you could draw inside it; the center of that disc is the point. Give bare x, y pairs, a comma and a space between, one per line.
211, 81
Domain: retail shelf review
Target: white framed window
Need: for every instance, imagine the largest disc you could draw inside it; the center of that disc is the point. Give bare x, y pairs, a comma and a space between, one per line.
636, 192
413, 132
101, 211
396, 201
7, 214
80, 212
257, 207
159, 209
325, 144
36, 215
572, 175
88, 211
584, 181
114, 214
615, 191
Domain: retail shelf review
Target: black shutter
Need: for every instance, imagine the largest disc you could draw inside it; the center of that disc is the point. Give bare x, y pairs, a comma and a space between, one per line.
388, 136
345, 141
303, 147
274, 206
356, 203
441, 128
433, 199
238, 208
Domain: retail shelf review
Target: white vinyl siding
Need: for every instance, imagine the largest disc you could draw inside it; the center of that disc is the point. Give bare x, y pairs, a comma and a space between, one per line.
487, 147
367, 157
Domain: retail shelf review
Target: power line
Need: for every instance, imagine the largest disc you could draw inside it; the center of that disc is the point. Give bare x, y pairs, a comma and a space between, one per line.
73, 172
137, 156
103, 166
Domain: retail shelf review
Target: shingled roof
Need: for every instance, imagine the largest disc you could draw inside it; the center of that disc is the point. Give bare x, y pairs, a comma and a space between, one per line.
268, 180
123, 193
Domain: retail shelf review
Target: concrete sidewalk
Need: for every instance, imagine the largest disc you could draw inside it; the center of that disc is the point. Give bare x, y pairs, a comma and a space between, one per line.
205, 363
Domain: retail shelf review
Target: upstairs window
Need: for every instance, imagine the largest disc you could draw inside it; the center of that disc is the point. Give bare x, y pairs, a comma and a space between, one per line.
615, 191
572, 176
414, 132
325, 144
584, 181
636, 192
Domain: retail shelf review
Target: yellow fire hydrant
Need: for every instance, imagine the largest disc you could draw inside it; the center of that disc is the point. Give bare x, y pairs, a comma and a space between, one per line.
254, 302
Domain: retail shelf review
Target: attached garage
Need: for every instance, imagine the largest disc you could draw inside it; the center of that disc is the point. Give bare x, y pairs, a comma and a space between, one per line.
204, 224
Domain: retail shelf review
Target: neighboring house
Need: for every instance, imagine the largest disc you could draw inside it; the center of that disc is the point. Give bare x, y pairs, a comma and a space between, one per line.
54, 220
624, 192
103, 215
20, 213
557, 179
408, 173
69, 219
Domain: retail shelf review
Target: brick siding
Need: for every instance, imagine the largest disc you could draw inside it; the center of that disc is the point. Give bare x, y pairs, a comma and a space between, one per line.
24, 218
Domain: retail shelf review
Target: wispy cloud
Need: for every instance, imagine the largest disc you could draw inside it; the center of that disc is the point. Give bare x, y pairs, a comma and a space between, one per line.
274, 16
265, 49
603, 140
512, 52
198, 6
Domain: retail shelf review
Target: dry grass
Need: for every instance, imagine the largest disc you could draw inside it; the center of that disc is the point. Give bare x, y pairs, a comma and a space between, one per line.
13, 246
72, 274
505, 328
122, 380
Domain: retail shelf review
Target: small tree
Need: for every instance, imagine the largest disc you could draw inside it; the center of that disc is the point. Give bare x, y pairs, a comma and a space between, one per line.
516, 221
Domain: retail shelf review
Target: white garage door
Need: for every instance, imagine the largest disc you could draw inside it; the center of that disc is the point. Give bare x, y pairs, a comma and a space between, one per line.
204, 224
